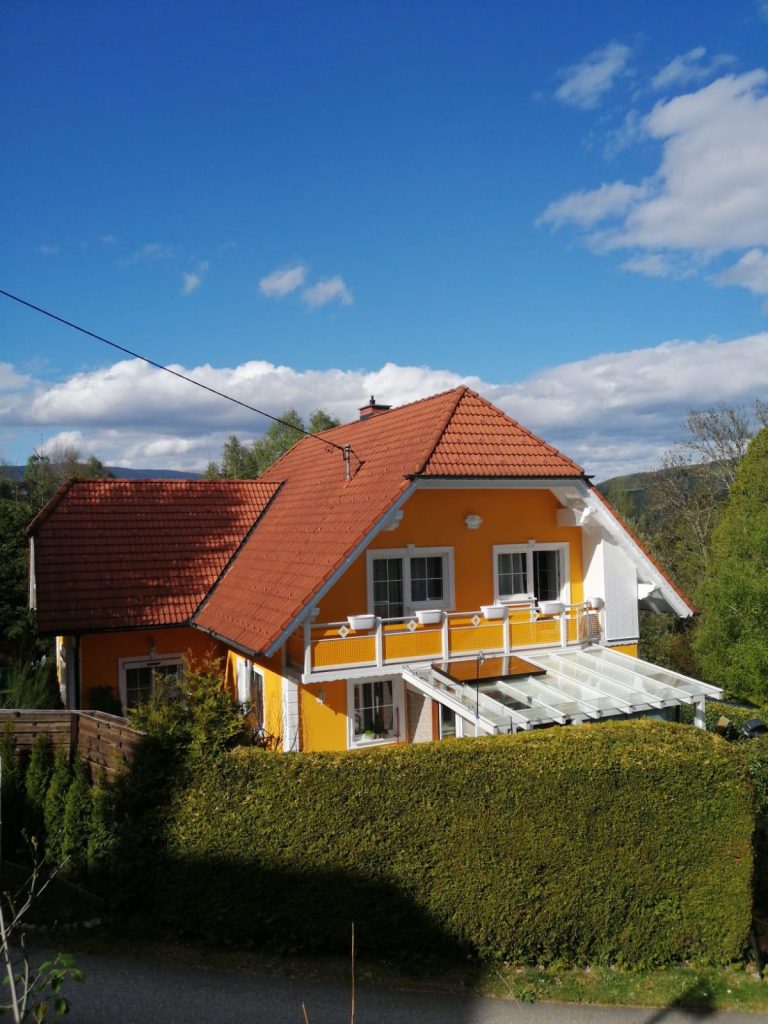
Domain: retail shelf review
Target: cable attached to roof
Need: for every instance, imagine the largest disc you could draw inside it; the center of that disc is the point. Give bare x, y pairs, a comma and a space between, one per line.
345, 449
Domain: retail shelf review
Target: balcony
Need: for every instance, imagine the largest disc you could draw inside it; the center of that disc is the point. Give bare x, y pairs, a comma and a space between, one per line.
320, 650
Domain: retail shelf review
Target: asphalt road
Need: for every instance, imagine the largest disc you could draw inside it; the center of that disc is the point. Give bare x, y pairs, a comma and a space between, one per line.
119, 990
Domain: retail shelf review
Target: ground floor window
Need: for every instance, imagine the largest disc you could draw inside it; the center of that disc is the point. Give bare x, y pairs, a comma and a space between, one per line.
375, 712
447, 722
140, 677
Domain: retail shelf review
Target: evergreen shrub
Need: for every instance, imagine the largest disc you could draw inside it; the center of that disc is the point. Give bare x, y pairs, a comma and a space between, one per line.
55, 804
36, 783
625, 843
11, 791
77, 819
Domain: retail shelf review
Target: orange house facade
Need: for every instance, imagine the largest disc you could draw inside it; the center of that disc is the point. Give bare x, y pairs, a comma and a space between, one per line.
425, 572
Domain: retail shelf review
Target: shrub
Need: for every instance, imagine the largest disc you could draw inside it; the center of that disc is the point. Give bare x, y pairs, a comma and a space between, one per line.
77, 819
621, 843
101, 839
12, 790
193, 713
37, 780
32, 686
756, 753
55, 805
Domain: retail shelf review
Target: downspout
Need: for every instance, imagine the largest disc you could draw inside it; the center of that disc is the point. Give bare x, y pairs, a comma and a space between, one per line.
74, 697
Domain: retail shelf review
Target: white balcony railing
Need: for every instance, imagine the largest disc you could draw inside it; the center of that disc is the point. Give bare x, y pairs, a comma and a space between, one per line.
328, 646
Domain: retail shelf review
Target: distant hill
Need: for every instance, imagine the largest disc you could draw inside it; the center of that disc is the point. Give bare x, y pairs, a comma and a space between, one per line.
631, 492
121, 473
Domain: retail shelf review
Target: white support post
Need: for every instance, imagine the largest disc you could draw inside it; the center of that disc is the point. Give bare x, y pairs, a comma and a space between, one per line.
563, 628
379, 642
446, 637
505, 627
699, 718
308, 647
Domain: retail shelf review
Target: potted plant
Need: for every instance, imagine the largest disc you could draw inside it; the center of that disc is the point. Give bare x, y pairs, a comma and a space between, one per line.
492, 611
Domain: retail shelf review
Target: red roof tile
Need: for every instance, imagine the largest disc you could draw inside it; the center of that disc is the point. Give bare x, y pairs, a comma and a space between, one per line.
319, 517
113, 554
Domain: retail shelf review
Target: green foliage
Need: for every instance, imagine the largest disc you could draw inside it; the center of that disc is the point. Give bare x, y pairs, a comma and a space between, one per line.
620, 843
37, 781
33, 686
756, 754
77, 819
102, 698
45, 472
101, 839
241, 461
12, 790
730, 641
193, 713
55, 805
18, 635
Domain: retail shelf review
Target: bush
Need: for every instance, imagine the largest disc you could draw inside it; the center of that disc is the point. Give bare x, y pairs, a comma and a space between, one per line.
11, 791
756, 753
37, 780
55, 805
77, 819
192, 713
33, 686
621, 843
101, 840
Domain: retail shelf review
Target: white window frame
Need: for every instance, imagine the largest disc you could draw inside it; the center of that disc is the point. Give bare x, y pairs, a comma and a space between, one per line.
398, 709
245, 669
143, 662
528, 549
406, 554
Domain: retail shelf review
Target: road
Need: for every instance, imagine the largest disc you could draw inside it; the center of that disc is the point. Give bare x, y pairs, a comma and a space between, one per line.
119, 990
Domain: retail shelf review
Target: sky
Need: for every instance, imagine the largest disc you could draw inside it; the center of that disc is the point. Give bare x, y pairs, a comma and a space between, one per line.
564, 205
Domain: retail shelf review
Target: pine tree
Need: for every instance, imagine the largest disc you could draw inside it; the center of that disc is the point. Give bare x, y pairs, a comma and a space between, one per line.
731, 641
55, 803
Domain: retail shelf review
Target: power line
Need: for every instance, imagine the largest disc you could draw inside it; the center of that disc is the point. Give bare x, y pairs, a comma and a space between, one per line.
346, 450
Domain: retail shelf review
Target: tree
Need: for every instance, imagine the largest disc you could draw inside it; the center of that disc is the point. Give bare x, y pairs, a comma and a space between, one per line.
45, 472
241, 461
730, 641
18, 633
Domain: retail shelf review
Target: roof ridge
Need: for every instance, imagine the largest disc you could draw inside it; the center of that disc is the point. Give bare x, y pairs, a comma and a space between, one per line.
529, 432
394, 408
462, 391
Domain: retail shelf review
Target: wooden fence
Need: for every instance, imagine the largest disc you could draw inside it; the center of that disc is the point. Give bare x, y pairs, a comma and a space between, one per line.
105, 741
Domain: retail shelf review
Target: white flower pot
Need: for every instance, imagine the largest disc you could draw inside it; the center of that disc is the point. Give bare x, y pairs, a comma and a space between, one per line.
358, 622
429, 616
551, 607
492, 611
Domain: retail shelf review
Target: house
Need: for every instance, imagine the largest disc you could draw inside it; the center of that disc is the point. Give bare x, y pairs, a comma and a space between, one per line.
426, 571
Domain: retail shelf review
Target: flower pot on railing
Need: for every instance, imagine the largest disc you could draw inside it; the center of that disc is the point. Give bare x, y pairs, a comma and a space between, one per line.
551, 607
358, 622
492, 611
430, 616
595, 603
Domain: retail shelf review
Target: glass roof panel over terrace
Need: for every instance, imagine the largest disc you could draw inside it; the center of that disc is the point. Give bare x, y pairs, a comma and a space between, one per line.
564, 687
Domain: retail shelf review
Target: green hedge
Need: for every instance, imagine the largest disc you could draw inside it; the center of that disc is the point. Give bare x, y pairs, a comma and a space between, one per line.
620, 843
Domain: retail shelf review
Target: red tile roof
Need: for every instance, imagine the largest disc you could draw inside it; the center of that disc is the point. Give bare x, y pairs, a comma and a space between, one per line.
113, 554
319, 518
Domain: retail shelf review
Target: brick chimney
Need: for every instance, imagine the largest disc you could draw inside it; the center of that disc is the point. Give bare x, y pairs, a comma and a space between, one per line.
372, 409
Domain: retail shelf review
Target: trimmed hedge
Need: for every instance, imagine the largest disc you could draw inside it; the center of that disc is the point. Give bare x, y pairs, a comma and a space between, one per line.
621, 843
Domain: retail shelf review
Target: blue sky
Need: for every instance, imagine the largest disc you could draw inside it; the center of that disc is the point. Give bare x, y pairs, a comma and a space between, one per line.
564, 204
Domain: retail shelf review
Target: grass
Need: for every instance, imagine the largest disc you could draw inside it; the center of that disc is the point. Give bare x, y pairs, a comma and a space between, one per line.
702, 989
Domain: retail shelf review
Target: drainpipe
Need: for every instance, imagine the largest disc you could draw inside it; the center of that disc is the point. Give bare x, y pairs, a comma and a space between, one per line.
74, 697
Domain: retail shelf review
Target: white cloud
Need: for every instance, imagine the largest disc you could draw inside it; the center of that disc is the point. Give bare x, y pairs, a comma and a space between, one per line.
615, 412
652, 265
709, 194
282, 282
329, 289
191, 281
50, 249
631, 130
589, 207
150, 252
690, 67
584, 84
750, 272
